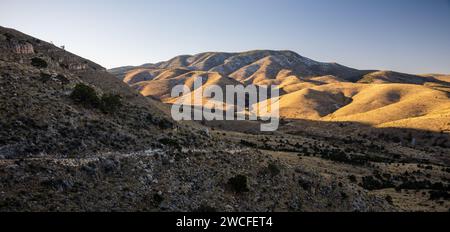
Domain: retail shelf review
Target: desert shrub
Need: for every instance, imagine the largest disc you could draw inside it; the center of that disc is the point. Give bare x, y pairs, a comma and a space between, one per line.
44, 77
352, 178
439, 194
238, 184
341, 157
248, 144
164, 124
424, 184
149, 118
344, 195
110, 103
273, 169
39, 63
305, 184
85, 95
168, 141
157, 199
396, 139
372, 183
389, 199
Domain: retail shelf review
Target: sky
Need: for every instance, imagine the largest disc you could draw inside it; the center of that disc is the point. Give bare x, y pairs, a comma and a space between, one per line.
402, 35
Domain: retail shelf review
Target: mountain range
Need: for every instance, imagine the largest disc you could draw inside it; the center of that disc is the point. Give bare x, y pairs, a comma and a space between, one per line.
309, 89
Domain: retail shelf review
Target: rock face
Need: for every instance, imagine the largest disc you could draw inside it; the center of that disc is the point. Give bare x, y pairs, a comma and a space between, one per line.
24, 48
78, 66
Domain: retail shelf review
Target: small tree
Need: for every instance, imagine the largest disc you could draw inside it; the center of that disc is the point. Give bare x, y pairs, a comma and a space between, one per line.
110, 103
85, 95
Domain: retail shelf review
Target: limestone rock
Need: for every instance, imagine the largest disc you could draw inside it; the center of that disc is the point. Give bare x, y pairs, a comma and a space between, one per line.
23, 48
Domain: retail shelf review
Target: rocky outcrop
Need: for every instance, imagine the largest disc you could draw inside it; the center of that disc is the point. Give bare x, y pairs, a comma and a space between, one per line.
23, 48
78, 66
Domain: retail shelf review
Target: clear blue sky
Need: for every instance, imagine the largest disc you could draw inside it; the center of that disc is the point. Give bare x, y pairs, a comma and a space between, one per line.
403, 35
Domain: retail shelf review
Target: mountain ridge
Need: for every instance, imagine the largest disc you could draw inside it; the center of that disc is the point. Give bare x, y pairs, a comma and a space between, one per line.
226, 63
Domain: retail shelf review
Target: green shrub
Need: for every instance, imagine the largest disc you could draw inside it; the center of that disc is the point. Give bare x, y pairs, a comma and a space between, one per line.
85, 95
110, 103
238, 184
39, 63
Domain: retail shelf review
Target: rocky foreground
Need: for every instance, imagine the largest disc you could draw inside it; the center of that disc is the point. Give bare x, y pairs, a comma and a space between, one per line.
230, 180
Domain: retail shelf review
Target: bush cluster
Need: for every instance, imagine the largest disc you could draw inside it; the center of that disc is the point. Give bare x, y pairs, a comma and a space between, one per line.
87, 96
110, 103
162, 123
372, 183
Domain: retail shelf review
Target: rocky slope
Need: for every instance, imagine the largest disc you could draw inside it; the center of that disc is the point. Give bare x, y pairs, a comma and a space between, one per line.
39, 116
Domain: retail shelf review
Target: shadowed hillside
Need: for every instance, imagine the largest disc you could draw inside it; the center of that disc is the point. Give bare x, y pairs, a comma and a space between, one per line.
41, 114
